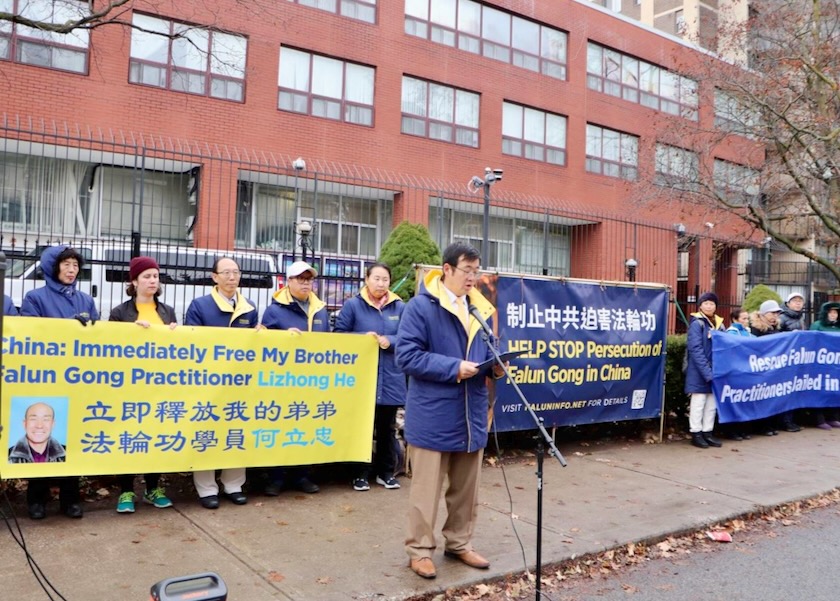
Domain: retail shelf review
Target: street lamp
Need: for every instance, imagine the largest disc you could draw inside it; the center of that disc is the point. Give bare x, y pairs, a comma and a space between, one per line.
491, 176
631, 265
299, 165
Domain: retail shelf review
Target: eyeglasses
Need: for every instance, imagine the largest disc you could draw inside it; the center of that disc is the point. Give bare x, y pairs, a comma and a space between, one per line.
305, 281
469, 273
229, 273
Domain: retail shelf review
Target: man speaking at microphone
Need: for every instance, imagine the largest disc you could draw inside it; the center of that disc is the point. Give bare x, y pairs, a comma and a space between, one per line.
440, 347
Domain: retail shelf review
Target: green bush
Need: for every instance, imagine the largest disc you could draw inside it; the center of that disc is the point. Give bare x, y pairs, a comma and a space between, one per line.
676, 400
408, 244
758, 295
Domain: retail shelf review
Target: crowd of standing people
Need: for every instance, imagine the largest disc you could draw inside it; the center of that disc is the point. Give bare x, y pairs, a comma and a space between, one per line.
770, 318
433, 342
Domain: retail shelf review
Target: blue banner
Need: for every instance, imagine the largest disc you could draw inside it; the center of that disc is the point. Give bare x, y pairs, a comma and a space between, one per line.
594, 352
760, 377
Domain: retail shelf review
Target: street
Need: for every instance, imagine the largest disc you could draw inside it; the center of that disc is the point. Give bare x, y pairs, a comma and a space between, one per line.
766, 562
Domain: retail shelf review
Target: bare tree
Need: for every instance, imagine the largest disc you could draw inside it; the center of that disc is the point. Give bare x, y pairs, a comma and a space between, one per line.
772, 159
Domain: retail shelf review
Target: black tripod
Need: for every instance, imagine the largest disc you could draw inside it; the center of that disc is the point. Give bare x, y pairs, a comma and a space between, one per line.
543, 440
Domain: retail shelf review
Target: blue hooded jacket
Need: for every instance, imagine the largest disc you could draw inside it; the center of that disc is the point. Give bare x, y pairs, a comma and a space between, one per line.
698, 373
360, 315
442, 413
9, 306
57, 299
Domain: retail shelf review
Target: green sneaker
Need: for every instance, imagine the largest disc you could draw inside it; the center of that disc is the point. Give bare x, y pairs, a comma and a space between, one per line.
157, 498
125, 504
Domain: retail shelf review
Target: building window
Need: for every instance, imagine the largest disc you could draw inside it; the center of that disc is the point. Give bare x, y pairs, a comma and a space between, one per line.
480, 29
533, 134
321, 86
612, 153
362, 10
524, 243
347, 221
37, 193
180, 57
31, 46
736, 184
677, 168
439, 112
641, 82
731, 115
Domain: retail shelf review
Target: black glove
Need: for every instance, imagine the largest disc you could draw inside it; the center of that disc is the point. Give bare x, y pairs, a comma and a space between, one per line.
81, 318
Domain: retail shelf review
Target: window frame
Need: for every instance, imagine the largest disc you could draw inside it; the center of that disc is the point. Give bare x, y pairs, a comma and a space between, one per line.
343, 8
729, 176
16, 40
311, 97
461, 37
429, 122
525, 144
623, 168
650, 81
170, 68
687, 182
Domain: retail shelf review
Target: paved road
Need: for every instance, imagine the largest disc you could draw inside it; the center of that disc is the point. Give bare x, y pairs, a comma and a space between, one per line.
776, 563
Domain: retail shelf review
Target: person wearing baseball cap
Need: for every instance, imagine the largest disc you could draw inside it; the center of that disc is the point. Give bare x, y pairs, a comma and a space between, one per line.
295, 308
143, 308
764, 322
698, 373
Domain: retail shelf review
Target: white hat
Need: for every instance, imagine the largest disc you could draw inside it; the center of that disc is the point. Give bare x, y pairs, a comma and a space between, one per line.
299, 267
793, 295
769, 306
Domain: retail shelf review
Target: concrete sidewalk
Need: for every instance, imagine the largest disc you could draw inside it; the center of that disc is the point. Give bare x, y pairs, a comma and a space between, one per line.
342, 545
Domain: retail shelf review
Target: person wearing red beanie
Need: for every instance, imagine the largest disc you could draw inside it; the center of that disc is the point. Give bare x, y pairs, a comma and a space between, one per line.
144, 309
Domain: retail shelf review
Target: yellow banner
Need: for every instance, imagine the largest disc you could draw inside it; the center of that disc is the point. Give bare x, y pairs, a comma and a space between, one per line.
116, 398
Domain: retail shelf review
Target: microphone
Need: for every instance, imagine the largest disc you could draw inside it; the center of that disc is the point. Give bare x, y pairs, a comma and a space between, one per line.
475, 313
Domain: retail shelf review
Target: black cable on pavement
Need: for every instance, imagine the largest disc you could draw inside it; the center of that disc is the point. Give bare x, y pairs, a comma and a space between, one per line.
40, 577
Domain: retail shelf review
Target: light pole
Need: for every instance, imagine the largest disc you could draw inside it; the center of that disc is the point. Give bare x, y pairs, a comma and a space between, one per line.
299, 165
631, 265
491, 176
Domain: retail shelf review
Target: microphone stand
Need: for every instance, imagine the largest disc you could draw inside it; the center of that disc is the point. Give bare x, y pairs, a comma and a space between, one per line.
543, 439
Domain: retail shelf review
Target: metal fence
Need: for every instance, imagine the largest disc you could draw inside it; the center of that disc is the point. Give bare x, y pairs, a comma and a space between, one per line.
118, 194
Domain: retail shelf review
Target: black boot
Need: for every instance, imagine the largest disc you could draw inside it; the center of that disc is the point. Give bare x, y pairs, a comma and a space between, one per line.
698, 440
713, 442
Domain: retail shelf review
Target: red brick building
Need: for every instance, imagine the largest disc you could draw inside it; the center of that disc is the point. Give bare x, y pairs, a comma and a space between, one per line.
185, 127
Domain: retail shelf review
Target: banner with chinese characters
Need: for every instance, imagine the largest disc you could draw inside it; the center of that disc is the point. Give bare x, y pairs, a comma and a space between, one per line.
761, 377
115, 398
594, 352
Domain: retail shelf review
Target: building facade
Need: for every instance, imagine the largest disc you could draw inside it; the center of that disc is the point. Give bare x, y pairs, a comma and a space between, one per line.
230, 128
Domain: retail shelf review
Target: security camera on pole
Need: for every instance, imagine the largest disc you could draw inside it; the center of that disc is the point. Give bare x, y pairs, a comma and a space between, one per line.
491, 176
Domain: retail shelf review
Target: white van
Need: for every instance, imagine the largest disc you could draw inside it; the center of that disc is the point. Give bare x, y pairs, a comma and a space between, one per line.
185, 273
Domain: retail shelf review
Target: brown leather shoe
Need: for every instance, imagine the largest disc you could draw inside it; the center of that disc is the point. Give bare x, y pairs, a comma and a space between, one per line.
423, 567
471, 558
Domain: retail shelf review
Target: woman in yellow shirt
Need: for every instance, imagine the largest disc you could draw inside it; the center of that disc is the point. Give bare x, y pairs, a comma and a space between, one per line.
144, 309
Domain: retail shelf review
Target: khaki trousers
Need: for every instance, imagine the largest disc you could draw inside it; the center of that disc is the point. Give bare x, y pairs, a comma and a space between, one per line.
429, 470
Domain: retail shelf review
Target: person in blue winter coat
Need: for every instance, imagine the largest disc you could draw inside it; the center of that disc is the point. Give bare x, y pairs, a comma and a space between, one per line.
59, 298
295, 308
698, 374
739, 325
446, 410
376, 311
9, 306
224, 307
